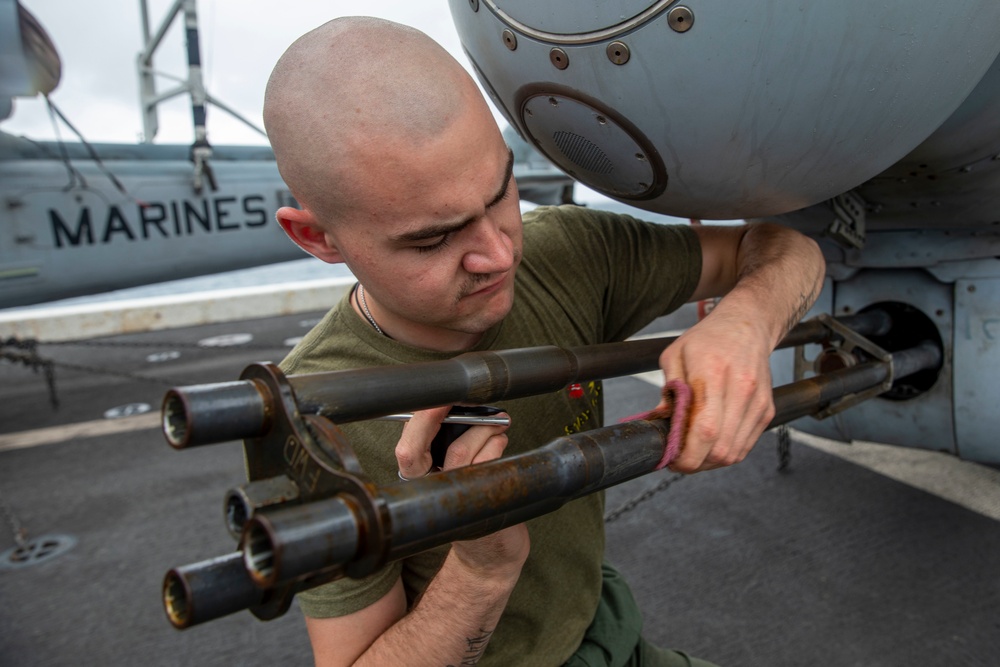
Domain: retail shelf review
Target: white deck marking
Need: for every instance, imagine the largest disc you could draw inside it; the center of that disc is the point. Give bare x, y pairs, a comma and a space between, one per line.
973, 486
92, 429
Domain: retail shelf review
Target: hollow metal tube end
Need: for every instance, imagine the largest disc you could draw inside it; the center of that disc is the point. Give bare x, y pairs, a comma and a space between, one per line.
175, 420
211, 413
177, 599
287, 544
260, 557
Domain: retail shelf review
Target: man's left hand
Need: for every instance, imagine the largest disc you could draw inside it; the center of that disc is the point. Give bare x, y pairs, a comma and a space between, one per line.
770, 275
725, 362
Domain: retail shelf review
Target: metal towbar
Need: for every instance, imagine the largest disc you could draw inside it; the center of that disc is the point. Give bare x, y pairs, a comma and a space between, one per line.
310, 515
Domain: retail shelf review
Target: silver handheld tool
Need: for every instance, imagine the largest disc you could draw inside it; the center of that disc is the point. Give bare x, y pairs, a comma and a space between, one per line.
471, 420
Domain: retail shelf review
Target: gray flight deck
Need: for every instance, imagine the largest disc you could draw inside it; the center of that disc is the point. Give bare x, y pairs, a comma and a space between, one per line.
827, 564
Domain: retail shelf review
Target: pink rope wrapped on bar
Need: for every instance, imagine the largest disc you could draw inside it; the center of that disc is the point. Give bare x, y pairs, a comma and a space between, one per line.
677, 395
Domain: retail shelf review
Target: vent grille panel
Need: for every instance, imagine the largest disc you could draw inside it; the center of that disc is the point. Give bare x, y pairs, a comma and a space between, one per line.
583, 152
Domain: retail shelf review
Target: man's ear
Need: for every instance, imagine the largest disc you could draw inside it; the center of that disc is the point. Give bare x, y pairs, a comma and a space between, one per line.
303, 228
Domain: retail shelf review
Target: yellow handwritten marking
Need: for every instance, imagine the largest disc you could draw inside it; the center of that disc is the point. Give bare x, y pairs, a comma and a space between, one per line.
582, 421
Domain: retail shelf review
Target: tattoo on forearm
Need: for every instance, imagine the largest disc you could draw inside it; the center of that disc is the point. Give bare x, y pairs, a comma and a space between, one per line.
475, 647
805, 302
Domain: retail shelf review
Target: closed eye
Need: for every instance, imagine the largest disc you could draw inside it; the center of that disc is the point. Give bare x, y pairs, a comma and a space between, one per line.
439, 235
438, 245
445, 237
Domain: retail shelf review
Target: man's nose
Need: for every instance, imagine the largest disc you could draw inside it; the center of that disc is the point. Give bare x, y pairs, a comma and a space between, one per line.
492, 250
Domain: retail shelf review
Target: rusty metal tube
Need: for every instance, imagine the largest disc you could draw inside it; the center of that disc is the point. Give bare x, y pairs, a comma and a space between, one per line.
873, 322
211, 589
304, 546
809, 396
289, 543
525, 486
243, 501
204, 414
926, 355
474, 377
209, 413
285, 544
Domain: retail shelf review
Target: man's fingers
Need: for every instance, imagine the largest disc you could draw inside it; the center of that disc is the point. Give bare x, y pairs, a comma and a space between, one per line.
753, 392
413, 451
731, 384
706, 427
744, 393
478, 444
717, 439
492, 449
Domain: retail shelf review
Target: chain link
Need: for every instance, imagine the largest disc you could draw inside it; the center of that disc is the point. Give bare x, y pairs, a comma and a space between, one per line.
25, 351
631, 504
97, 370
784, 464
784, 448
16, 527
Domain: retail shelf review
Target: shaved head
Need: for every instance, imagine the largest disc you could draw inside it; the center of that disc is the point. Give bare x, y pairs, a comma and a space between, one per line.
350, 89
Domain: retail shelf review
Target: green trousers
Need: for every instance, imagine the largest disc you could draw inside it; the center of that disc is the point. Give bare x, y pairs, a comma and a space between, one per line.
614, 638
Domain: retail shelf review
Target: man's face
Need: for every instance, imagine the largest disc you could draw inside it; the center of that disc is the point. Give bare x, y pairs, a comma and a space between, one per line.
434, 235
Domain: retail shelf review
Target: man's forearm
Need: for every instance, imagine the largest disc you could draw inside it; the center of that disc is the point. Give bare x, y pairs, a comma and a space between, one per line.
770, 277
779, 274
451, 624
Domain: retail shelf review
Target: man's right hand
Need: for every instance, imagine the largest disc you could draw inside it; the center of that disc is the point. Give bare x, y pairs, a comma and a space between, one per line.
476, 445
498, 555
455, 617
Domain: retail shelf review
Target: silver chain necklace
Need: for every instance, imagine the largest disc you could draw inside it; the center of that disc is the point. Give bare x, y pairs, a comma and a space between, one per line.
368, 314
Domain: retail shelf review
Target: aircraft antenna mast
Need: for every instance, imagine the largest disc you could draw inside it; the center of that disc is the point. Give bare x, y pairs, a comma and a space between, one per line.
194, 85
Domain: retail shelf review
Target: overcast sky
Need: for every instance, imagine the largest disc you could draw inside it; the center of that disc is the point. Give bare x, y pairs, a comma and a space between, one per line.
98, 41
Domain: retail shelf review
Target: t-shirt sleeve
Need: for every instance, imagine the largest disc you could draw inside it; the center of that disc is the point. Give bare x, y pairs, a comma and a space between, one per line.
347, 596
633, 271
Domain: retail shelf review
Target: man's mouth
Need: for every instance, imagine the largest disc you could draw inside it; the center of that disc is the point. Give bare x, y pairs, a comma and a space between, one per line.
487, 288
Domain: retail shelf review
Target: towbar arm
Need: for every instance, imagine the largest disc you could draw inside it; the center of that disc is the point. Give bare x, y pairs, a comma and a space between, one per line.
284, 545
309, 514
295, 547
206, 414
314, 538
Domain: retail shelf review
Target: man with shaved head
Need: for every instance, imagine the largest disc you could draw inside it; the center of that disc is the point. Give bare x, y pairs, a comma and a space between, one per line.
401, 173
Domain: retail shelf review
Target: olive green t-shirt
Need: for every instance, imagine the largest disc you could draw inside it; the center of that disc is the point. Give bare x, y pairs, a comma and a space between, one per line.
585, 277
